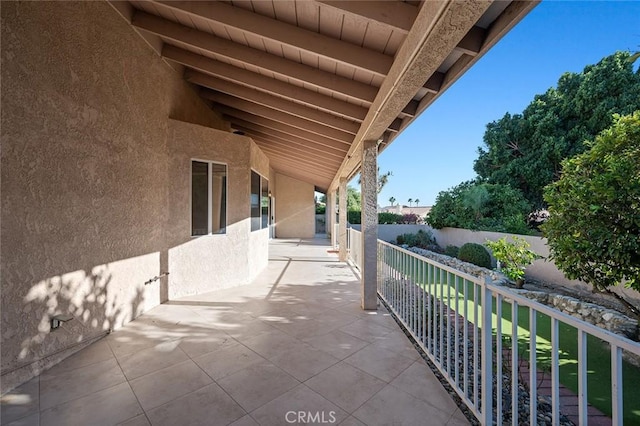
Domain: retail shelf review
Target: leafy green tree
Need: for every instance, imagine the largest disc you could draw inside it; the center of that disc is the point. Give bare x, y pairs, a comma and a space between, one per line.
417, 201
525, 150
392, 200
594, 224
410, 201
480, 206
353, 199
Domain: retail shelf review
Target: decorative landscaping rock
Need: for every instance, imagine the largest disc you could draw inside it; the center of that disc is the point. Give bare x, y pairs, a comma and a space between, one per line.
597, 315
468, 268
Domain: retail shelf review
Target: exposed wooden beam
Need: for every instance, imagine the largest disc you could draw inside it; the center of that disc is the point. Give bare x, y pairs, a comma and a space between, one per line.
302, 175
235, 95
233, 115
309, 166
294, 150
411, 109
472, 42
299, 146
434, 83
320, 183
507, 20
395, 125
282, 117
398, 15
287, 34
315, 163
169, 30
282, 103
251, 129
279, 129
270, 86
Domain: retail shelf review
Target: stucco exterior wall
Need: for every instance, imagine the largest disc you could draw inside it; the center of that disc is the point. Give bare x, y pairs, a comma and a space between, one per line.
201, 264
89, 205
295, 208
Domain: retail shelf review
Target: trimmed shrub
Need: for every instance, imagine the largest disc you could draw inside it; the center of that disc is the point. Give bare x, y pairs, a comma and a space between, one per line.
423, 239
353, 217
452, 251
410, 219
389, 218
476, 254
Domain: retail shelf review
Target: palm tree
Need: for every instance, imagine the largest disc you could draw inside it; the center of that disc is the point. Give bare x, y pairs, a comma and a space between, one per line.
410, 201
417, 201
392, 200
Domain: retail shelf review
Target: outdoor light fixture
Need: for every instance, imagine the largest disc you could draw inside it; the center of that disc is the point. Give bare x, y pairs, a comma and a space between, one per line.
59, 319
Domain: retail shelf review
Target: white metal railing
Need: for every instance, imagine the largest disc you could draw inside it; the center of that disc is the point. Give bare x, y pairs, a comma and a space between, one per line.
354, 245
492, 366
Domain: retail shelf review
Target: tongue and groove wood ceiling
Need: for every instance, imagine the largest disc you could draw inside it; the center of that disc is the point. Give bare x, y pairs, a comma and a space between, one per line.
309, 80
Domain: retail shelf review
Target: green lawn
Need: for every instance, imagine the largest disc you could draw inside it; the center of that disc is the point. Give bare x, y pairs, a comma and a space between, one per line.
598, 353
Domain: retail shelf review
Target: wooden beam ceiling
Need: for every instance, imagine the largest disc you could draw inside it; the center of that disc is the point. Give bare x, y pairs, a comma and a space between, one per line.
286, 34
232, 114
306, 79
242, 96
285, 68
254, 86
270, 86
397, 15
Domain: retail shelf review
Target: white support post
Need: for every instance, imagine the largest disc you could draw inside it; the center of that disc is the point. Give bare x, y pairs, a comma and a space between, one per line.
369, 221
342, 219
330, 216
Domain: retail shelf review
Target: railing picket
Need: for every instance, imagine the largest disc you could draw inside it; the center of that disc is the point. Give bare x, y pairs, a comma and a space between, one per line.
457, 330
475, 346
582, 377
466, 338
616, 386
449, 366
487, 358
432, 312
514, 364
499, 358
441, 321
555, 372
533, 370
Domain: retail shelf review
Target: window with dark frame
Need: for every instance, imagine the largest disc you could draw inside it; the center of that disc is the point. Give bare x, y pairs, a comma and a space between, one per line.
255, 201
208, 198
259, 202
264, 203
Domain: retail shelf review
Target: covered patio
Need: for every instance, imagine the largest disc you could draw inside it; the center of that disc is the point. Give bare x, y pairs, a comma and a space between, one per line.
295, 342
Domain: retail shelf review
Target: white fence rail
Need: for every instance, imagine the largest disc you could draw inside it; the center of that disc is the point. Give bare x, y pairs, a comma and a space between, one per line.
354, 245
497, 365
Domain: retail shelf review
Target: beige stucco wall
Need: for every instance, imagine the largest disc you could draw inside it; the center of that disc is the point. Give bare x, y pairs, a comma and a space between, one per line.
295, 208
201, 264
89, 207
542, 269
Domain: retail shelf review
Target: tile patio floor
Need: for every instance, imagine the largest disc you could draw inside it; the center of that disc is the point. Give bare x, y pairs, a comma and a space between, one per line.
295, 340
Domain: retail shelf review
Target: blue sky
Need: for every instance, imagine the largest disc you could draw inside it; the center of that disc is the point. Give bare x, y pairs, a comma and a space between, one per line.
437, 151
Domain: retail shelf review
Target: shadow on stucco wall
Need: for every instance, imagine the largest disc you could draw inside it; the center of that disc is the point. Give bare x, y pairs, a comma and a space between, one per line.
30, 345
